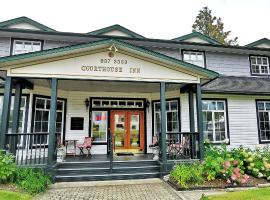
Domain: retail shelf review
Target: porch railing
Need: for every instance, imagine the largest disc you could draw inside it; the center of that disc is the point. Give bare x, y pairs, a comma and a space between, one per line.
28, 148
182, 145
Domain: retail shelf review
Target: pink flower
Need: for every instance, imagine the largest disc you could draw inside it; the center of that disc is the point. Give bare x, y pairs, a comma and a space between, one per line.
236, 170
229, 181
233, 177
227, 164
235, 163
246, 177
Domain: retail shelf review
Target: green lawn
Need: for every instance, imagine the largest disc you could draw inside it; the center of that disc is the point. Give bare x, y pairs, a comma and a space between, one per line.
256, 194
8, 195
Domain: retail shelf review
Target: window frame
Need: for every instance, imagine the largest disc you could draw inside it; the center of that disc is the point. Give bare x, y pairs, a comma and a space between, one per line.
26, 110
227, 126
64, 115
25, 40
250, 65
258, 120
107, 125
153, 113
197, 51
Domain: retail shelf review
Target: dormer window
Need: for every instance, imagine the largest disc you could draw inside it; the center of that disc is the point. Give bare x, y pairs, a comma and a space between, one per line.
194, 57
259, 65
25, 46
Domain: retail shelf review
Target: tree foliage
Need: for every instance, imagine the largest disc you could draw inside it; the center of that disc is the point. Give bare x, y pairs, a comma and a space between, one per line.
213, 27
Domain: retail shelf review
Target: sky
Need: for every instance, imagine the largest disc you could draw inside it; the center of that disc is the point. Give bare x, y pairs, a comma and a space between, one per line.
161, 19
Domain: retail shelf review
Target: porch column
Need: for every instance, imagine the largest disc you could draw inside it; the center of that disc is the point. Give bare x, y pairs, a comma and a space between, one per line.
199, 119
5, 111
191, 121
16, 116
52, 122
162, 138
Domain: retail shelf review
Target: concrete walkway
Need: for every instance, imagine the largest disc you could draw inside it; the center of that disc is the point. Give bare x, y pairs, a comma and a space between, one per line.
152, 189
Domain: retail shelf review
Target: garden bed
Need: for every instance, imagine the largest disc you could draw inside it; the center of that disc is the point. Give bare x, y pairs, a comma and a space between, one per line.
218, 184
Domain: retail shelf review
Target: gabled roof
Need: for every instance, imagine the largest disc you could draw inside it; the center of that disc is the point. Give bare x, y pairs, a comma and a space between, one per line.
75, 49
198, 35
20, 20
116, 27
259, 42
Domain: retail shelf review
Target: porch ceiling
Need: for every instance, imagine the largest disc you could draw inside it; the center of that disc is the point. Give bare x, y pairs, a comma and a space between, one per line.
105, 86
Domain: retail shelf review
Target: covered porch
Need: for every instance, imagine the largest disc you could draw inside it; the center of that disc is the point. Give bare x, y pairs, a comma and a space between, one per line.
138, 85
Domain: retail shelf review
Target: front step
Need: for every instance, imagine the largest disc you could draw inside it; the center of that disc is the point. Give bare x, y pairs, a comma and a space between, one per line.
103, 177
94, 171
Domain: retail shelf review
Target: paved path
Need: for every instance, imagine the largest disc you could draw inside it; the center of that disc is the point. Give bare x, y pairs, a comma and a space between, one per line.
152, 189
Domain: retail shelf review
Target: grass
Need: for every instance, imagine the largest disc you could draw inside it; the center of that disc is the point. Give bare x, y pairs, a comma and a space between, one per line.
9, 195
256, 194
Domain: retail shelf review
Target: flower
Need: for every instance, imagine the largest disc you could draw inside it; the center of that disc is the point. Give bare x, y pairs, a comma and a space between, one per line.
233, 177
229, 181
227, 164
260, 175
235, 163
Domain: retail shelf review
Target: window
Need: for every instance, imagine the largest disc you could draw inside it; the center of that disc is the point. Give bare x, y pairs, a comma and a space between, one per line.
76, 123
264, 120
25, 46
259, 65
99, 126
172, 112
215, 120
194, 57
42, 115
117, 103
22, 113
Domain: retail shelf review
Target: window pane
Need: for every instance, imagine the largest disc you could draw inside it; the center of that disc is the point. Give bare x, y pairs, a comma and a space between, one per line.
253, 60
37, 127
44, 127
174, 105
40, 103
157, 107
45, 116
59, 117
38, 116
220, 105
99, 126
59, 105
204, 105
212, 105
261, 106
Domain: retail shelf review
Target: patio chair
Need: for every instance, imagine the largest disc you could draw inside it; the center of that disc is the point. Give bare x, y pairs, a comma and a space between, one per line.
155, 148
87, 144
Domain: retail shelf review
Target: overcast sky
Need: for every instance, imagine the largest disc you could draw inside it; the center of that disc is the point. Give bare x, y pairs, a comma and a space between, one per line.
163, 19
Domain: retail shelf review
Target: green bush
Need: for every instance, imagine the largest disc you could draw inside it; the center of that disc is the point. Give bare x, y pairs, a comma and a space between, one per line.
187, 174
33, 181
7, 167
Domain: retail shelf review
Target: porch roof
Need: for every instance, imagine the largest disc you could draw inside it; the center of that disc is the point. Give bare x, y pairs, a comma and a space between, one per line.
53, 54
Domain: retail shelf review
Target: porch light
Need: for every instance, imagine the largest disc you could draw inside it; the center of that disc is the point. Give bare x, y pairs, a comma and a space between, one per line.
147, 103
87, 103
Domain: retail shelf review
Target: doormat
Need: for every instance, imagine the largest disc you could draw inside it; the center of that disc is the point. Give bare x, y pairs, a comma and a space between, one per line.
125, 154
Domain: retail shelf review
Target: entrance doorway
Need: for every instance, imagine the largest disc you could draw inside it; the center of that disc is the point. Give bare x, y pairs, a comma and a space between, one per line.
127, 127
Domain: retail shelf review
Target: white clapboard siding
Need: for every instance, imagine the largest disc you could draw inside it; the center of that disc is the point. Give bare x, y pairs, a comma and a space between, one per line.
243, 127
5, 46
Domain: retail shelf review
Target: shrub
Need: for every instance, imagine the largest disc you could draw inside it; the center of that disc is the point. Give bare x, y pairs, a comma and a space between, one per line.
187, 174
7, 167
32, 181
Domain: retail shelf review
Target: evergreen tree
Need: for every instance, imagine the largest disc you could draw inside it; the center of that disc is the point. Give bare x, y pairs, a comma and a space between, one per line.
212, 26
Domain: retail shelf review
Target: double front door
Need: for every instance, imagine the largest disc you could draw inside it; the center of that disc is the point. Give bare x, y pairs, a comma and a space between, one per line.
127, 127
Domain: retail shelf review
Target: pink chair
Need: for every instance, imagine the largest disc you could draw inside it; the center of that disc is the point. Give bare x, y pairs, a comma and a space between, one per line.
87, 144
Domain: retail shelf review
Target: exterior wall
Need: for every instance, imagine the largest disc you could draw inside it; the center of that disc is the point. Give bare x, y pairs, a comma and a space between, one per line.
242, 114
174, 53
228, 64
4, 46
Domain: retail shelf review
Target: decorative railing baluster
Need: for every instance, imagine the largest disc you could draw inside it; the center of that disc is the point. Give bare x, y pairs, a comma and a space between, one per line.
29, 149
182, 145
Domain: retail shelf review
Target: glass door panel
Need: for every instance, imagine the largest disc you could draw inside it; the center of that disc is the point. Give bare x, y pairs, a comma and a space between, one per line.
134, 130
119, 130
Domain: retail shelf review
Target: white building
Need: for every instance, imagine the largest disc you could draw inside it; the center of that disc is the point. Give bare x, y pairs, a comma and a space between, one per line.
109, 84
